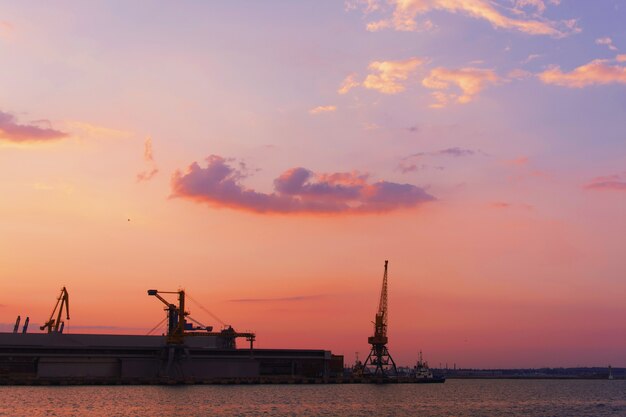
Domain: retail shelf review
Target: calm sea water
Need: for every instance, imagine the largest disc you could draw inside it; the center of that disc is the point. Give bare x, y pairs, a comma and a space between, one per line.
454, 398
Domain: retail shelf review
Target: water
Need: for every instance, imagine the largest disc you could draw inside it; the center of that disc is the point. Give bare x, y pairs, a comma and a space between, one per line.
505, 398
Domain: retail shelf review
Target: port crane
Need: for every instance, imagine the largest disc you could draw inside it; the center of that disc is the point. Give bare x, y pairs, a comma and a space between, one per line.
379, 357
178, 328
56, 325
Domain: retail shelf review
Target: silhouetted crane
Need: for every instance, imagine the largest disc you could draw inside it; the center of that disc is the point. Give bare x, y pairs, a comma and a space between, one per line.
379, 356
56, 325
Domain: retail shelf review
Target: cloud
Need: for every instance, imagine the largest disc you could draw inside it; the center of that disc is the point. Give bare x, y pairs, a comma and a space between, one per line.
520, 161
530, 58
6, 29
405, 13
367, 6
538, 5
411, 163
322, 109
297, 190
506, 205
522, 169
89, 130
349, 83
387, 76
278, 299
596, 72
37, 131
621, 58
65, 188
606, 41
616, 182
455, 152
149, 159
500, 204
147, 175
519, 74
147, 150
469, 80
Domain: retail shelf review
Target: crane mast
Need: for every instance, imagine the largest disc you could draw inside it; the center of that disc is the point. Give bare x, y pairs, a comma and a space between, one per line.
379, 357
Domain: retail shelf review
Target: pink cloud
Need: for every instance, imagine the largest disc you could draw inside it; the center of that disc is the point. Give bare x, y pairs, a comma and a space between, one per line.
12, 131
297, 190
500, 204
506, 205
615, 182
606, 41
519, 161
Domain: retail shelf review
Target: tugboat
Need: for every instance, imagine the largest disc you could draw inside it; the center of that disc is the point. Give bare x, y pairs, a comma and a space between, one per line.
423, 374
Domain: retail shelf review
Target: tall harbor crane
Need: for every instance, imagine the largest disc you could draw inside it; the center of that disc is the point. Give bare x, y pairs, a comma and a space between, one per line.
56, 325
379, 357
175, 315
178, 328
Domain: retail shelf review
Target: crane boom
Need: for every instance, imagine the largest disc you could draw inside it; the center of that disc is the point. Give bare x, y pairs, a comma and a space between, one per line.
56, 324
178, 328
382, 303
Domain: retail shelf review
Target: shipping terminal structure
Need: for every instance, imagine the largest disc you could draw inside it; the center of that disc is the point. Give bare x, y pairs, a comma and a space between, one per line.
188, 353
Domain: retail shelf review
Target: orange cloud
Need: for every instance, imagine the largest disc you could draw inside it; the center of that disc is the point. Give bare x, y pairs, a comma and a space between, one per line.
297, 190
88, 130
406, 11
37, 131
149, 158
469, 80
322, 109
349, 83
6, 29
387, 76
147, 150
596, 72
538, 5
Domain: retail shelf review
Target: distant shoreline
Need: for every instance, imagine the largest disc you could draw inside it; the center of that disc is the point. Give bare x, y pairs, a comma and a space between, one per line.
599, 373
535, 377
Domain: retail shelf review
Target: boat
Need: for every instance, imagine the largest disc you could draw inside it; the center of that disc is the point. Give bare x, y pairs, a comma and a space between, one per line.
423, 374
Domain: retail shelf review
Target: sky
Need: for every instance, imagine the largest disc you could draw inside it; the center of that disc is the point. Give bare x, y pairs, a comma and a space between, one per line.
268, 157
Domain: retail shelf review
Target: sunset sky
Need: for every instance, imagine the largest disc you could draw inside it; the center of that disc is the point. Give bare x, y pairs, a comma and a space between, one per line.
268, 156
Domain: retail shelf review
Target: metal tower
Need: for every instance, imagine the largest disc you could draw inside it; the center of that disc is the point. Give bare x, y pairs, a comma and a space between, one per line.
379, 357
